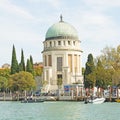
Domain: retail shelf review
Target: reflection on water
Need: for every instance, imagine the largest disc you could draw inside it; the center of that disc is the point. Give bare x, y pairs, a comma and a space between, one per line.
58, 111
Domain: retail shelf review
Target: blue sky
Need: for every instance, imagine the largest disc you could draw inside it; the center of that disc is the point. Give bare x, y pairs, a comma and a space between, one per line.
24, 23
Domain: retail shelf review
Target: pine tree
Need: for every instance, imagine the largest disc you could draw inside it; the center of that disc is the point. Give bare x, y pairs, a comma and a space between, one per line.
22, 63
14, 62
89, 71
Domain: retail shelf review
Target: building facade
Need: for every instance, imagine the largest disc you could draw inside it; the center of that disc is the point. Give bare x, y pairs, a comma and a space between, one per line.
62, 56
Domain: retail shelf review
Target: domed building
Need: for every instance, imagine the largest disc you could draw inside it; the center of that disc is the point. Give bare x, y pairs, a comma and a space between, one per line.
62, 56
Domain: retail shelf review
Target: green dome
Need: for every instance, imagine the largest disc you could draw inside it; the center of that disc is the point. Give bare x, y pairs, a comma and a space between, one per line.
61, 30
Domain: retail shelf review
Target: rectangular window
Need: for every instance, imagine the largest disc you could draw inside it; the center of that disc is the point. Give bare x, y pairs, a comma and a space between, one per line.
68, 42
59, 42
50, 44
49, 60
75, 63
70, 62
59, 76
54, 43
64, 42
59, 63
45, 60
73, 42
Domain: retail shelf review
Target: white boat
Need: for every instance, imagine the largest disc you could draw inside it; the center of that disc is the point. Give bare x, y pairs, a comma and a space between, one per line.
97, 100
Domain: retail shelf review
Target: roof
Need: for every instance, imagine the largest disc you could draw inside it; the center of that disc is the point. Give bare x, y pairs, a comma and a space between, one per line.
61, 30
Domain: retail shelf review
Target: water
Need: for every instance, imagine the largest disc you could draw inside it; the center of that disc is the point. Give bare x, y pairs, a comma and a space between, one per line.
59, 111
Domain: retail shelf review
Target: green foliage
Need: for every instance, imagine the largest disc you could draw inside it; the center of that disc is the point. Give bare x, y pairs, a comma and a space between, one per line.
116, 77
83, 70
103, 76
22, 63
31, 61
29, 66
14, 62
110, 59
38, 71
5, 73
91, 80
100, 74
89, 74
90, 67
22, 81
3, 83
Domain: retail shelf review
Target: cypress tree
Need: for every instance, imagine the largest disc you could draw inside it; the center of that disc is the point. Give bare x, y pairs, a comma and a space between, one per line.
22, 63
31, 60
90, 68
29, 66
14, 62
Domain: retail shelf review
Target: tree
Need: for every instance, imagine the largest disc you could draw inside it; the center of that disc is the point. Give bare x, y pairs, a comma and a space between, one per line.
22, 63
103, 76
5, 72
31, 60
99, 74
38, 71
116, 78
3, 83
89, 73
110, 59
29, 66
14, 62
22, 81
90, 80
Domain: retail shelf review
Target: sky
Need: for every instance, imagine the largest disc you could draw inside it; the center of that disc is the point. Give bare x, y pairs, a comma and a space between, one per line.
24, 23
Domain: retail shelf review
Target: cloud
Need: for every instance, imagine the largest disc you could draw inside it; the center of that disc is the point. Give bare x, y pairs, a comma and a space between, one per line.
93, 19
96, 30
7, 6
105, 3
95, 26
54, 3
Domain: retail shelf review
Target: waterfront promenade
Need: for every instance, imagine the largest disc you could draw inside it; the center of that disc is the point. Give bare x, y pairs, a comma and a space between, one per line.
16, 97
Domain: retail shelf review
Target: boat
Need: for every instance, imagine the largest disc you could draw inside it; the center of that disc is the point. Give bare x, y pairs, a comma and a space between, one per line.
33, 101
97, 100
117, 100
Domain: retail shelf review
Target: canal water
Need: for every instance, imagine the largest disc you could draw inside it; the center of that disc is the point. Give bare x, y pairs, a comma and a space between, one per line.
59, 111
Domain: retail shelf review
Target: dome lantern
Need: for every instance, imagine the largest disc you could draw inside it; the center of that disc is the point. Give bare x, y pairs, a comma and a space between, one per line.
61, 18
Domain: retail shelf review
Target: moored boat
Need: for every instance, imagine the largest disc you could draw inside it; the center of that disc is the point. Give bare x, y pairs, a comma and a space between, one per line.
97, 100
33, 101
117, 100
